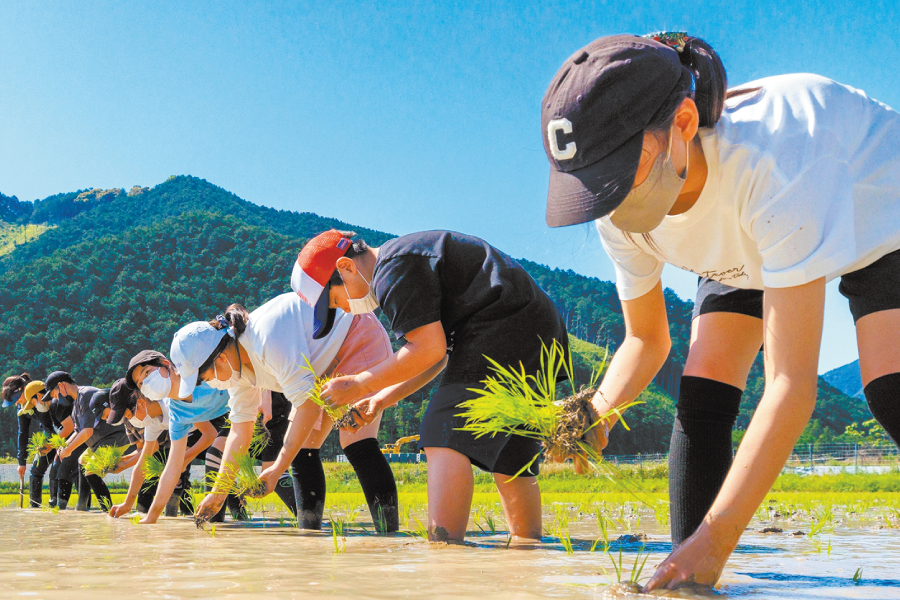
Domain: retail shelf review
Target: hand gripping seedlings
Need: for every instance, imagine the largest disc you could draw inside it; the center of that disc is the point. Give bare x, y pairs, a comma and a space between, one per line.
104, 460
238, 478
514, 402
37, 444
153, 469
341, 417
261, 438
57, 441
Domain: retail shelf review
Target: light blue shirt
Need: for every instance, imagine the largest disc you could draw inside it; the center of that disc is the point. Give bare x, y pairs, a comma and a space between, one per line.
207, 404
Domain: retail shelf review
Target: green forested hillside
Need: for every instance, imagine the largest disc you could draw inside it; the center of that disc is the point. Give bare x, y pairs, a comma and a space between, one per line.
107, 273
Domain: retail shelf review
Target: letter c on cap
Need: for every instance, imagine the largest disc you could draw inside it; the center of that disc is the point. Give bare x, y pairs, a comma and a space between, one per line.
565, 126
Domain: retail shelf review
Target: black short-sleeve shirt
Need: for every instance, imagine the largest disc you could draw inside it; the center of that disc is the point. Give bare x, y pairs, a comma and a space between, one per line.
486, 302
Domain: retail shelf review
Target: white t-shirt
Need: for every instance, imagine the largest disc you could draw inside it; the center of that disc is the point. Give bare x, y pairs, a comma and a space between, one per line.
155, 426
278, 340
803, 183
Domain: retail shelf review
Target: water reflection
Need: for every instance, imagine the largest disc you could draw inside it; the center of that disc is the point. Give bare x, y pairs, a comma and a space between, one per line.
89, 556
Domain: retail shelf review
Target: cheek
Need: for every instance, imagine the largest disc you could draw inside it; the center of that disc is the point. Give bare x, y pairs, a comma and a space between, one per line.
338, 299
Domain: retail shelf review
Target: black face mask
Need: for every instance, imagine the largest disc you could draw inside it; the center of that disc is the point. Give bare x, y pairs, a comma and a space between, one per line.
66, 400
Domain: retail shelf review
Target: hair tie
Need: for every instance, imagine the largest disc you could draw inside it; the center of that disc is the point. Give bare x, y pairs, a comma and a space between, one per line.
673, 39
223, 321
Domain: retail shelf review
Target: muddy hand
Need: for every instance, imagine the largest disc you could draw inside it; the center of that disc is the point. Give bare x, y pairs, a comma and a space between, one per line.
697, 562
118, 510
210, 506
363, 412
341, 391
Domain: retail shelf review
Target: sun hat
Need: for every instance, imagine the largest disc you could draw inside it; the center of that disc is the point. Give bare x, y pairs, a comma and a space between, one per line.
593, 118
32, 389
311, 276
192, 346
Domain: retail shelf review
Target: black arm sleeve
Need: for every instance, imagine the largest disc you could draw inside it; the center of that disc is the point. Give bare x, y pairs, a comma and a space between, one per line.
24, 434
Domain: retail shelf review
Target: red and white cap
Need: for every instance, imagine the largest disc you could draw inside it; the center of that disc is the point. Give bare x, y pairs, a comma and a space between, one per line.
311, 275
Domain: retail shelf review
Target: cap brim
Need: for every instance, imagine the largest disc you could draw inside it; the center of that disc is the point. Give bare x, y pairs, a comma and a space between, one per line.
323, 314
188, 383
115, 415
596, 190
7, 403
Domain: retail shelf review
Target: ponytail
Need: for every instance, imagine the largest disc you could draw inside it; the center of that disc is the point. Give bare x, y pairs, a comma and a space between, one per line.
703, 79
13, 384
236, 317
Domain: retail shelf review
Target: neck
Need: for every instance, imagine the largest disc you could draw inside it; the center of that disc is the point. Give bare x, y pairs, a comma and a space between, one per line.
696, 178
242, 356
366, 263
154, 409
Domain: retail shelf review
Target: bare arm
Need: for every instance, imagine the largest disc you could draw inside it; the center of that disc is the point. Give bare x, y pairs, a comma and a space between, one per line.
75, 441
68, 426
426, 346
136, 481
168, 481
792, 320
207, 437
641, 355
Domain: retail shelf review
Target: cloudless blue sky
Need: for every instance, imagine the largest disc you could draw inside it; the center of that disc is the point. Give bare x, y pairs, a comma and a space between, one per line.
399, 116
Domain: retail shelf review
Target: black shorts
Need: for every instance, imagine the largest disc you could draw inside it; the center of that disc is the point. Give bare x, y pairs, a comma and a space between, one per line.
505, 455
869, 290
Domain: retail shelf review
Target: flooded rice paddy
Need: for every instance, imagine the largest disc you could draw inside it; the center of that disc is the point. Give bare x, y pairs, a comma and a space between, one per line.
854, 552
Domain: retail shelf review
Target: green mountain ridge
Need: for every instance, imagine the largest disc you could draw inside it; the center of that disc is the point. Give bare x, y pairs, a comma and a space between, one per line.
111, 273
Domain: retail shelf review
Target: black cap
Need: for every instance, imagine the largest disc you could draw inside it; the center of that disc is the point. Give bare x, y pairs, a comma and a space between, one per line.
323, 314
55, 378
121, 398
99, 402
593, 118
141, 358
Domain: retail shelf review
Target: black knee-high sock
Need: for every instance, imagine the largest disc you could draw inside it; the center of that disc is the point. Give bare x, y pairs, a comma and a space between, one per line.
309, 488
700, 451
84, 491
377, 481
104, 499
285, 490
36, 491
54, 492
883, 396
63, 493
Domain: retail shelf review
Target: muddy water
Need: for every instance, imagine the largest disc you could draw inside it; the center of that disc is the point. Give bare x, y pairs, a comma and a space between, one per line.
76, 555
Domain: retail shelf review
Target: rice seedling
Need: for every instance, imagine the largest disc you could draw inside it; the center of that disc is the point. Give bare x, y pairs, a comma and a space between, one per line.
57, 441
636, 569
514, 402
419, 531
490, 525
238, 478
153, 470
338, 530
857, 577
37, 444
341, 417
260, 439
104, 460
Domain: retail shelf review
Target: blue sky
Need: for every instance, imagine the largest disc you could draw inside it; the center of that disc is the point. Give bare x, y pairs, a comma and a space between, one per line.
399, 116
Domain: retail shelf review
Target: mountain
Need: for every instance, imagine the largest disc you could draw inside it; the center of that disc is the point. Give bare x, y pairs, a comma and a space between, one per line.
90, 277
847, 379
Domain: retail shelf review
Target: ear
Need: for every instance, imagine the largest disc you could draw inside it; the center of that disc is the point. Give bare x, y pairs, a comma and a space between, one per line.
687, 119
346, 265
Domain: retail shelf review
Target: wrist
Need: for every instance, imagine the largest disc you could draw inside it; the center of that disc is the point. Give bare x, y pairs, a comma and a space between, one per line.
364, 381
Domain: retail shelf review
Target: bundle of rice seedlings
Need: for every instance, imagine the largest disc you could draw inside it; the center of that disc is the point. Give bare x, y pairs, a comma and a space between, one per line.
104, 460
261, 438
239, 478
57, 441
341, 417
514, 402
37, 444
153, 469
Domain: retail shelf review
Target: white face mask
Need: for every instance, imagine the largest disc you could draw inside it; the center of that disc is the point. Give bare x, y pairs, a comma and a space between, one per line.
140, 423
366, 304
42, 407
156, 387
217, 384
